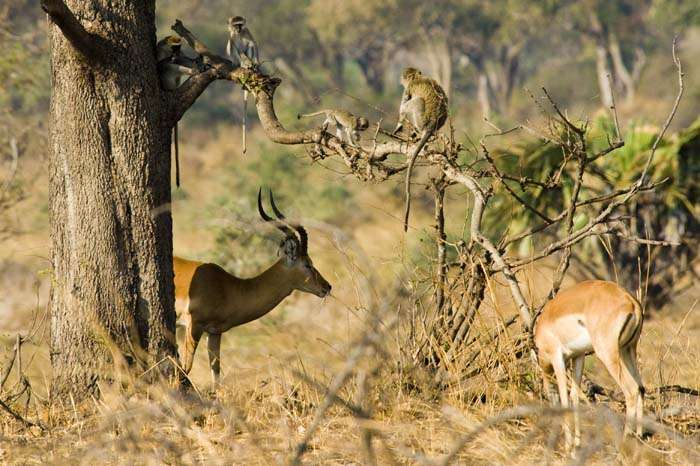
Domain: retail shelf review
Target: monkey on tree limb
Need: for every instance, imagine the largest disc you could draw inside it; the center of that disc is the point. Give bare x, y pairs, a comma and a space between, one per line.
424, 106
347, 125
172, 67
243, 51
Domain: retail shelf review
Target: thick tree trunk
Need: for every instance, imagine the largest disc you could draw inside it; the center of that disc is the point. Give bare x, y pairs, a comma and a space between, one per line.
111, 226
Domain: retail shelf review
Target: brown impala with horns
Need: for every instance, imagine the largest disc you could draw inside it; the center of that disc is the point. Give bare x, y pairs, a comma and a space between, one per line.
209, 299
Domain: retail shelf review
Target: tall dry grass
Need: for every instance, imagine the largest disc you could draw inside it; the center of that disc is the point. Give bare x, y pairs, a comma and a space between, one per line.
302, 391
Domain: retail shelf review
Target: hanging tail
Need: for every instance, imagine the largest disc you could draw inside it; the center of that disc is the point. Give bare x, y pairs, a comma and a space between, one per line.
245, 112
407, 210
177, 156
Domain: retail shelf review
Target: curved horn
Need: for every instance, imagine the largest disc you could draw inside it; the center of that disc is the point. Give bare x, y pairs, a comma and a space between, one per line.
301, 231
261, 211
277, 212
303, 238
282, 226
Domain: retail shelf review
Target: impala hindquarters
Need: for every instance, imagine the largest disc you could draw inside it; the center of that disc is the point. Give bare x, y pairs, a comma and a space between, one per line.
592, 317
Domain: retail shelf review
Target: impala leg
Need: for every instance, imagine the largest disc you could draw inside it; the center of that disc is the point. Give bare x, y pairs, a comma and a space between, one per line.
614, 361
214, 346
560, 372
551, 393
577, 364
192, 335
629, 358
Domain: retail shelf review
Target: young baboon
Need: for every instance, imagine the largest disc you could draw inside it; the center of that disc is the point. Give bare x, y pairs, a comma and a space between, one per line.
347, 125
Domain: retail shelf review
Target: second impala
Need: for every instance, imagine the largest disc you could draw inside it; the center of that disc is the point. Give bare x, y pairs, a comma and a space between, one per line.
209, 299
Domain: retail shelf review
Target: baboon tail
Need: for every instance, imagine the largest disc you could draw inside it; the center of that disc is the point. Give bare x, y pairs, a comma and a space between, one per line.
423, 140
306, 115
177, 156
245, 112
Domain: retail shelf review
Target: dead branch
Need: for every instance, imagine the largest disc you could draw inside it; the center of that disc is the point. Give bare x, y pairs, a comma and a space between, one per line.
595, 200
672, 113
8, 368
184, 97
480, 199
368, 340
676, 389
505, 416
19, 418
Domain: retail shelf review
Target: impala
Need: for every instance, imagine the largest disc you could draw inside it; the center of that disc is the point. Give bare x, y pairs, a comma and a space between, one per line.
592, 317
209, 299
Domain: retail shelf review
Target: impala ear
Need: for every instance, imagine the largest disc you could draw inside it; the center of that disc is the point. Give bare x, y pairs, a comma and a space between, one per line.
290, 250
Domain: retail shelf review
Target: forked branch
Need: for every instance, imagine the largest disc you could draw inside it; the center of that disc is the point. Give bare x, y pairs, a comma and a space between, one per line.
92, 47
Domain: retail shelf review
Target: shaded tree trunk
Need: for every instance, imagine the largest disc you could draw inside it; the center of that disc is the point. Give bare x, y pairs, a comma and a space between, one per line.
603, 71
334, 63
628, 77
506, 78
485, 94
109, 178
297, 75
373, 65
439, 56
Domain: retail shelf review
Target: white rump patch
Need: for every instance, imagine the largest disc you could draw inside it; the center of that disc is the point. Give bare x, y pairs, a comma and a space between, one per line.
579, 345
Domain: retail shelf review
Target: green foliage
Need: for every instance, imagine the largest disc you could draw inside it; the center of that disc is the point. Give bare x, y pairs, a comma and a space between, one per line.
618, 170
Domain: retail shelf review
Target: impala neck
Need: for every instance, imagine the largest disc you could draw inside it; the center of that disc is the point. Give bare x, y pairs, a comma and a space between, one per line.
259, 295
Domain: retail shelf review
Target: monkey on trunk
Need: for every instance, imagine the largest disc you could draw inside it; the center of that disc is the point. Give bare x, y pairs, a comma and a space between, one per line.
424, 106
172, 67
347, 125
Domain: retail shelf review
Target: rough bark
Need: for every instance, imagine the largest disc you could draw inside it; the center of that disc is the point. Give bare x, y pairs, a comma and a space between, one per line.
111, 226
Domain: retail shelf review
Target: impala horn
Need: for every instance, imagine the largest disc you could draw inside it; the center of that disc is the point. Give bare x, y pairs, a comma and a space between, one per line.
282, 226
301, 231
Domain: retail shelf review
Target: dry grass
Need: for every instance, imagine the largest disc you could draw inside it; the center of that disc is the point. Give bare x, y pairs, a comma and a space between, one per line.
276, 376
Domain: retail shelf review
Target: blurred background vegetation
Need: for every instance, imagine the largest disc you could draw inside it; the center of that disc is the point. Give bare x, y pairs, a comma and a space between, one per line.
491, 57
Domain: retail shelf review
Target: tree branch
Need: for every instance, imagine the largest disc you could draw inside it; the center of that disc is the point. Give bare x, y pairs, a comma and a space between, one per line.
480, 199
672, 113
182, 98
92, 47
362, 161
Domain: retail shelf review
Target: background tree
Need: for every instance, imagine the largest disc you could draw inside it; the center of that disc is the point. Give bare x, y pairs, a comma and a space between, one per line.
367, 33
